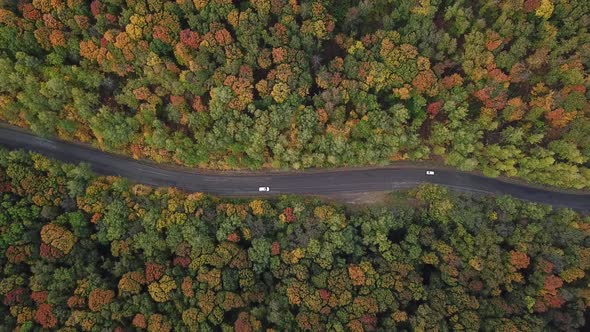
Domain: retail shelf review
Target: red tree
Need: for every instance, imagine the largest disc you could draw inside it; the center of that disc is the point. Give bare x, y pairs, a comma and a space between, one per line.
39, 297
434, 108
182, 261
95, 7
189, 38
275, 248
290, 217
139, 321
233, 237
15, 296
242, 324
153, 272
551, 284
49, 252
519, 260
44, 316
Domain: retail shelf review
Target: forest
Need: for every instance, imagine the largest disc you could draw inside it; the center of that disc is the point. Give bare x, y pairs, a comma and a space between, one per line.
85, 253
496, 86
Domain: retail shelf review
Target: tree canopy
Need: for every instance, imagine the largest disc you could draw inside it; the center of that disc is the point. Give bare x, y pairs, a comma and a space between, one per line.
79, 252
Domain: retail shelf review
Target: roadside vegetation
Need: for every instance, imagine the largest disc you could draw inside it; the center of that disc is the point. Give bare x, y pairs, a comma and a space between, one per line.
82, 253
499, 87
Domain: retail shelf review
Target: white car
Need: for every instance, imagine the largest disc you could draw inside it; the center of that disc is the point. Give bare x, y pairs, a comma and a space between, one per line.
429, 172
263, 189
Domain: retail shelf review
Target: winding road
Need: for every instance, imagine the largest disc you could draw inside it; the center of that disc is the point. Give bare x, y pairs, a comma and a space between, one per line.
308, 182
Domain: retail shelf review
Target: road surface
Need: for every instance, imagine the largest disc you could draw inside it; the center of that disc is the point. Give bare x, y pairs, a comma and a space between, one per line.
316, 182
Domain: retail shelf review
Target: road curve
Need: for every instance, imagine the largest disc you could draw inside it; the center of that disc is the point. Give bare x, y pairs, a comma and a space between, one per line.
319, 183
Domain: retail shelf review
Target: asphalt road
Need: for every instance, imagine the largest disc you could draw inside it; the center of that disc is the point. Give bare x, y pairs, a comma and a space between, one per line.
315, 182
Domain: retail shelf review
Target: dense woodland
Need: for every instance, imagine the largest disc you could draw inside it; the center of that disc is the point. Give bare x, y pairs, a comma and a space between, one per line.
86, 253
496, 86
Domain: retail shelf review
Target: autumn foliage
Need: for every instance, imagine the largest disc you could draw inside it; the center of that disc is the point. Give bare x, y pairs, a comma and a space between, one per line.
498, 87
316, 264
45, 317
299, 84
99, 298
